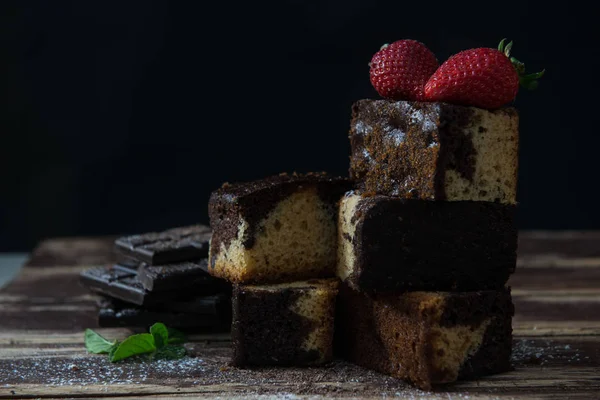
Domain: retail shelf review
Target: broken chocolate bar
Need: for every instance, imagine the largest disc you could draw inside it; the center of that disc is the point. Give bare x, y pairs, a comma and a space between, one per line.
211, 313
281, 228
122, 283
434, 151
117, 281
427, 338
170, 246
180, 276
289, 324
389, 244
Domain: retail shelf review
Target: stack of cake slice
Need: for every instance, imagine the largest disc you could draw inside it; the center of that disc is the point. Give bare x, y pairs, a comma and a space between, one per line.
422, 238
427, 241
276, 240
161, 277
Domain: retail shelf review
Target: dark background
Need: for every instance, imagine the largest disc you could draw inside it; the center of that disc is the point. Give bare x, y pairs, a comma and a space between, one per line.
122, 117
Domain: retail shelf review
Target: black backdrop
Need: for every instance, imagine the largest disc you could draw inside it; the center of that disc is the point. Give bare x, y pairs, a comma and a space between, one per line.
123, 116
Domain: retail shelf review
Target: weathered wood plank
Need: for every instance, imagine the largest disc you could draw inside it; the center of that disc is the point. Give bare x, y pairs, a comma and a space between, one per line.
553, 393
43, 314
74, 309
525, 389
532, 372
570, 364
564, 244
552, 261
44, 297
559, 245
548, 278
73, 251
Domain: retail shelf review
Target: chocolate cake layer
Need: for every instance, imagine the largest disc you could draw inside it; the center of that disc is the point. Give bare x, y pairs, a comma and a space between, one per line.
210, 313
281, 228
170, 246
434, 151
389, 244
427, 338
284, 324
180, 276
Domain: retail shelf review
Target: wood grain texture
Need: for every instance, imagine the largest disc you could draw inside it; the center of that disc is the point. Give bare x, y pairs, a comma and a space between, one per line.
43, 313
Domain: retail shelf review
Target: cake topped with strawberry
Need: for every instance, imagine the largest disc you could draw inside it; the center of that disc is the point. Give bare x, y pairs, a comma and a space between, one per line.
442, 132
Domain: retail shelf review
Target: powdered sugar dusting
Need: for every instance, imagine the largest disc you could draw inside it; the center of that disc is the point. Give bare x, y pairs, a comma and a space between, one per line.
417, 116
428, 124
80, 370
542, 352
334, 380
395, 134
360, 128
209, 367
404, 107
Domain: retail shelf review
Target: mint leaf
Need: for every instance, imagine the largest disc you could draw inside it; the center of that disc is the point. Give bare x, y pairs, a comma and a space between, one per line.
95, 343
170, 352
176, 336
160, 333
136, 344
114, 348
159, 343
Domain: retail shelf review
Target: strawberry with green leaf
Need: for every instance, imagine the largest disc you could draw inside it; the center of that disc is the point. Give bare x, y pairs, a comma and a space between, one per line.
483, 77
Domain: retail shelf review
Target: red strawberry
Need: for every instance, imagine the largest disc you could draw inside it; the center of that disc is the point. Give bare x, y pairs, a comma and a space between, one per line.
400, 70
482, 77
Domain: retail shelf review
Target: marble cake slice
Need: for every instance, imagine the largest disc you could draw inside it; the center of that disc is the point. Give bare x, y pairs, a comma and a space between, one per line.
390, 244
282, 228
286, 324
427, 338
434, 151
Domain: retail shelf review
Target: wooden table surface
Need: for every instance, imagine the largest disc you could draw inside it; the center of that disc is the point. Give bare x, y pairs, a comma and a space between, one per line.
43, 313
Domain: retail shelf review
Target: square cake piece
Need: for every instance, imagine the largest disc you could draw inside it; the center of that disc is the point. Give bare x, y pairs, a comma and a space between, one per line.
282, 228
434, 151
288, 324
390, 244
427, 338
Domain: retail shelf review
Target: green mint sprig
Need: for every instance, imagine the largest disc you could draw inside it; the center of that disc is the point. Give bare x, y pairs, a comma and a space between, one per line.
160, 343
96, 344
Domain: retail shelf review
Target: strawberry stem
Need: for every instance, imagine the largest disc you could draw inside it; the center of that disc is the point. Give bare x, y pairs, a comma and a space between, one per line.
528, 81
501, 45
508, 48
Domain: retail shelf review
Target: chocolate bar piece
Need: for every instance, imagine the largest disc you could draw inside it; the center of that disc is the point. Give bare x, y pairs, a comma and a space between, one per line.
284, 324
180, 276
434, 151
427, 338
117, 281
121, 282
170, 246
389, 244
211, 313
281, 228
